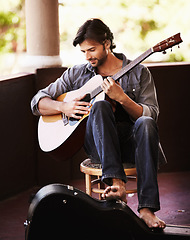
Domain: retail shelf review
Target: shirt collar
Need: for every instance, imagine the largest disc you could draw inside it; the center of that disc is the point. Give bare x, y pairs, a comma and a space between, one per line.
90, 68
122, 57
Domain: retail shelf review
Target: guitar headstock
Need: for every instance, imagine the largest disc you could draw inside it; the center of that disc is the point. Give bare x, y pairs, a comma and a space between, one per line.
167, 43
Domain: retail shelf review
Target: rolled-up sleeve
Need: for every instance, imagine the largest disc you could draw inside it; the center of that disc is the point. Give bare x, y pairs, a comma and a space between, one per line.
60, 86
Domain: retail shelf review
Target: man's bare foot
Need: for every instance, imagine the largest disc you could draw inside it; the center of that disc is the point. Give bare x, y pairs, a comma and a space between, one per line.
151, 220
116, 191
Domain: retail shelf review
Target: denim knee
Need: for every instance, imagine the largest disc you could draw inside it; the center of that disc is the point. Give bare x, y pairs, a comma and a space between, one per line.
101, 106
145, 122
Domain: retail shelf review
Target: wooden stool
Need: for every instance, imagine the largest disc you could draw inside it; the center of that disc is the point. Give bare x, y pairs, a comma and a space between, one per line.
91, 169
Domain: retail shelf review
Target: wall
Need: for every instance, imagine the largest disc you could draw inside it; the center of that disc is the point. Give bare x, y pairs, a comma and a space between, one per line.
18, 156
172, 83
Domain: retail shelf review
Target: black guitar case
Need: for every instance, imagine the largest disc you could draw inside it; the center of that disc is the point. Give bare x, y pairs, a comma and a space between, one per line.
58, 211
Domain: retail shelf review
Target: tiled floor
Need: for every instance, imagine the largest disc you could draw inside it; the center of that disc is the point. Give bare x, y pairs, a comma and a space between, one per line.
174, 197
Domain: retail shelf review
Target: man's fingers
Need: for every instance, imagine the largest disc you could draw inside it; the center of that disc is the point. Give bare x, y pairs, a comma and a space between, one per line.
83, 112
82, 108
76, 116
80, 111
82, 103
110, 80
107, 84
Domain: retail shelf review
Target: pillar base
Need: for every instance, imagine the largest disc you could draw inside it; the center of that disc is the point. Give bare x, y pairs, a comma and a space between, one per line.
31, 62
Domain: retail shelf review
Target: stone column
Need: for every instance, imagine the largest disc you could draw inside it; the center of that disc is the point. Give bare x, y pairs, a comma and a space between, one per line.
42, 34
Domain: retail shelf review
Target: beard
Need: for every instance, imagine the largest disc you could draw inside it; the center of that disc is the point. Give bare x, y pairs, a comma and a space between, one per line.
96, 62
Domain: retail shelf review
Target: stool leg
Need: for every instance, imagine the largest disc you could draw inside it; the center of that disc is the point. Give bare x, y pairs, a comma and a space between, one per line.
99, 187
88, 184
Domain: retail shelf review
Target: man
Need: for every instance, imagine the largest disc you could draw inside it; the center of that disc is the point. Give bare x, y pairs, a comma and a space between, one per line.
123, 131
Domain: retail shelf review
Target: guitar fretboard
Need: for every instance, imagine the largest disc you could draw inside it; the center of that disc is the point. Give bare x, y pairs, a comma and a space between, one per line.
132, 64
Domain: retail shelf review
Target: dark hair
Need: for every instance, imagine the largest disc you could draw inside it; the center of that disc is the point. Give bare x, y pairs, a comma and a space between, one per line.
94, 29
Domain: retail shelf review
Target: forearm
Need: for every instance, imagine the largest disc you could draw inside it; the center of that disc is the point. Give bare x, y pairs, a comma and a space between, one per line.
75, 108
132, 108
47, 106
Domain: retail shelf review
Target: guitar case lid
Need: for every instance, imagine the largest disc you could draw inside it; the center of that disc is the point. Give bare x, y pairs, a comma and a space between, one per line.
58, 211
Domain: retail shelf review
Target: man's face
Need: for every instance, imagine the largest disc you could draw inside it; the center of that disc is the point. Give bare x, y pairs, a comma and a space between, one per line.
94, 52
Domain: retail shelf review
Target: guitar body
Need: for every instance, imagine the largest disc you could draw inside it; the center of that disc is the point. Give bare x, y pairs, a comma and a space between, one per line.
58, 210
52, 132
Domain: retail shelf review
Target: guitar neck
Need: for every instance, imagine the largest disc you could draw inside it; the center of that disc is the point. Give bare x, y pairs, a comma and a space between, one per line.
124, 70
132, 64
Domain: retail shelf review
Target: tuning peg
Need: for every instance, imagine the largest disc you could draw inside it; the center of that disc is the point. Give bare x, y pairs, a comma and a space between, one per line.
164, 52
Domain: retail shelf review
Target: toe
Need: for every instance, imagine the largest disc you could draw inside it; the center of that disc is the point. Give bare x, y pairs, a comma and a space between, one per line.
106, 191
114, 188
162, 225
155, 225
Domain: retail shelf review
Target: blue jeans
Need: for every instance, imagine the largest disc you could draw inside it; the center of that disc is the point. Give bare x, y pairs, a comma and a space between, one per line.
112, 138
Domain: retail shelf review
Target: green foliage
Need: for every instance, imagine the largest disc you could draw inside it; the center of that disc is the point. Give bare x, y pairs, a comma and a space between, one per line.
147, 26
9, 22
176, 57
8, 19
12, 26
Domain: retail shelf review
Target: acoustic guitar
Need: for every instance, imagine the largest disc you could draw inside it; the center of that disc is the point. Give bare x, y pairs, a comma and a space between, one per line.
56, 130
61, 211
